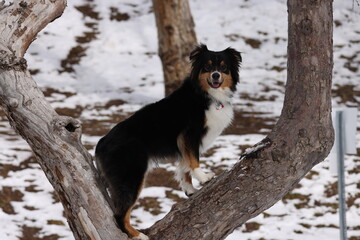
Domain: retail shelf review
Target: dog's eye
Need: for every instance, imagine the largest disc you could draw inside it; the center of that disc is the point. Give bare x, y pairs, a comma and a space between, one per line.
207, 67
223, 68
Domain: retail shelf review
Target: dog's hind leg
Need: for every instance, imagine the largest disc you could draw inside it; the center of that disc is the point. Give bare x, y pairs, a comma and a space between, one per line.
124, 172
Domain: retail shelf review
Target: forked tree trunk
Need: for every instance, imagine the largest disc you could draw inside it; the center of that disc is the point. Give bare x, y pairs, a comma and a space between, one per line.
302, 137
176, 36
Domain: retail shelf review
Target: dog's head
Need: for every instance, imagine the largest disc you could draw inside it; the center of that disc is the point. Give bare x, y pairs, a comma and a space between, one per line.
215, 70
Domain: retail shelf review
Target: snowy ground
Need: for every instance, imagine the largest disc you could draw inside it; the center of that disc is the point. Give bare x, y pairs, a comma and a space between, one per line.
99, 63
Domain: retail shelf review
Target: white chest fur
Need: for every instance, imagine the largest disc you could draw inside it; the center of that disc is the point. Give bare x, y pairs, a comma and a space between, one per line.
218, 117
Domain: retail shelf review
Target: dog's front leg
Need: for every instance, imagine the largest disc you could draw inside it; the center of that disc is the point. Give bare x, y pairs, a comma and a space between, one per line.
184, 178
189, 166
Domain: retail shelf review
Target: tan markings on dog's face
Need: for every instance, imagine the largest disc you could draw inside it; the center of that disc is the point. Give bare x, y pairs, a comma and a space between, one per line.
203, 81
227, 80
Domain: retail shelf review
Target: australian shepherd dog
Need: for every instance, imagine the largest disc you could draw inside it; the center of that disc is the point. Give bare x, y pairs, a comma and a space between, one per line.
180, 126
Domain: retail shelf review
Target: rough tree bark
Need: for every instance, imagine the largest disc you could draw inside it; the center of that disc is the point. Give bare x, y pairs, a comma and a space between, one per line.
54, 139
176, 38
302, 137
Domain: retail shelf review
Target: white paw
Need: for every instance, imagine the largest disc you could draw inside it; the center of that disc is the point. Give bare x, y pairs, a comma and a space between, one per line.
141, 237
188, 189
201, 176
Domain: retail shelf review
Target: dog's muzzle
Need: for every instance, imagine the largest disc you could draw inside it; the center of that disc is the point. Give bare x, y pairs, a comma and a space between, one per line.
215, 80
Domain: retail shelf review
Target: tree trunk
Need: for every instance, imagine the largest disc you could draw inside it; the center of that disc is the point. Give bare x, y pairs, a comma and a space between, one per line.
54, 139
302, 137
176, 38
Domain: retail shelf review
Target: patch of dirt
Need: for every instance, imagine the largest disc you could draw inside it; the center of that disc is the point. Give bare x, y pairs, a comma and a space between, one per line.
326, 226
352, 200
71, 112
311, 174
261, 98
347, 93
94, 127
355, 170
350, 63
118, 16
354, 238
48, 92
114, 102
305, 225
210, 151
161, 177
6, 168
150, 204
331, 206
250, 123
303, 200
174, 197
55, 222
337, 23
8, 195
34, 71
251, 226
30, 208
278, 68
88, 11
73, 58
86, 38
232, 37
254, 43
32, 188
331, 189
33, 233
77, 52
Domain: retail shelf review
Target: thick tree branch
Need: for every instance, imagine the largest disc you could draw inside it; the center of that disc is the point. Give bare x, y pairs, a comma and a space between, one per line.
302, 137
54, 139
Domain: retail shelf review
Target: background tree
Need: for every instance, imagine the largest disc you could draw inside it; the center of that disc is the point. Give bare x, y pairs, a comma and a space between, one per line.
302, 137
176, 36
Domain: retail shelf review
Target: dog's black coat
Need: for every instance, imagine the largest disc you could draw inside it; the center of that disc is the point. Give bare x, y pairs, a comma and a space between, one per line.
152, 132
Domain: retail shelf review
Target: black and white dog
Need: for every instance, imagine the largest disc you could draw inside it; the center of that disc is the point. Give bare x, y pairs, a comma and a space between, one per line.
181, 126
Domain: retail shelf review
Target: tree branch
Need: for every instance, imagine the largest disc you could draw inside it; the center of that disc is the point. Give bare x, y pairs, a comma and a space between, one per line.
302, 137
54, 139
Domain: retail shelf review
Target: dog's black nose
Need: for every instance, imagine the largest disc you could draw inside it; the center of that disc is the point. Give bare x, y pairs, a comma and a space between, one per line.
215, 76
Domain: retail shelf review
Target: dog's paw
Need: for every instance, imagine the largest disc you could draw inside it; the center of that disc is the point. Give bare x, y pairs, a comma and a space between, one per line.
141, 237
201, 176
188, 188
189, 192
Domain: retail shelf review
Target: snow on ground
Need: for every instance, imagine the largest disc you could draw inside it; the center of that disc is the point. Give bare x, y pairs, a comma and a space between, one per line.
99, 63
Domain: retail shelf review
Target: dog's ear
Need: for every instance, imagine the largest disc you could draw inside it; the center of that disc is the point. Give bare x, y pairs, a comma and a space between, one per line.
234, 55
196, 53
235, 58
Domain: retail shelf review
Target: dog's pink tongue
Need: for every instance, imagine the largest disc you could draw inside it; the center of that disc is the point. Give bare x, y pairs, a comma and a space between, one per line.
216, 85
